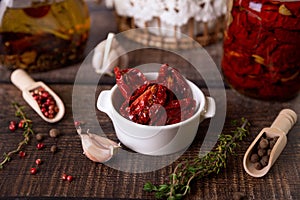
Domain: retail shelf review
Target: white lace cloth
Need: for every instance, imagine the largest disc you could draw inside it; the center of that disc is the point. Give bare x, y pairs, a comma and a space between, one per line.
171, 12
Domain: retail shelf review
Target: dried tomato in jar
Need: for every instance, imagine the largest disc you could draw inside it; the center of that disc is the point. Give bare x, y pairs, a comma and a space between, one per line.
261, 48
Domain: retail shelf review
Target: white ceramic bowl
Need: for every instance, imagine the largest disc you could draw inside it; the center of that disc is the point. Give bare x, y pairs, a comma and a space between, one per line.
156, 140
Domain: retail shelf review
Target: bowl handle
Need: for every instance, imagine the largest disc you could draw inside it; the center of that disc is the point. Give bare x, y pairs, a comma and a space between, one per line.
209, 108
104, 103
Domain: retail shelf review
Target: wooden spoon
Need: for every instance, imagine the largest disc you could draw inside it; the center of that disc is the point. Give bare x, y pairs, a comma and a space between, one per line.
26, 84
280, 127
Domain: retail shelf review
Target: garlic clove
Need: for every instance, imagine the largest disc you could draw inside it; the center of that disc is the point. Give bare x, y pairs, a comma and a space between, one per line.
105, 142
95, 152
96, 147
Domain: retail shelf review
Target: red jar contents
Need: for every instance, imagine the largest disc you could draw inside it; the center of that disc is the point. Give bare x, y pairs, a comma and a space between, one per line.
261, 48
166, 100
45, 101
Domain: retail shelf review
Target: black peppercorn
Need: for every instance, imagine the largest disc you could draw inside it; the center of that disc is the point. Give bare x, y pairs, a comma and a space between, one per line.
272, 143
261, 152
264, 161
39, 137
257, 166
53, 148
263, 148
254, 158
264, 143
269, 152
54, 133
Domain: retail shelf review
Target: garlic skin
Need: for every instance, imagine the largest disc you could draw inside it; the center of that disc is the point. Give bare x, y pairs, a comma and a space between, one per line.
97, 148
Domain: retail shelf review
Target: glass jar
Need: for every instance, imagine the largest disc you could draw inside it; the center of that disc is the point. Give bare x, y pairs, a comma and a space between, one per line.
38, 35
262, 48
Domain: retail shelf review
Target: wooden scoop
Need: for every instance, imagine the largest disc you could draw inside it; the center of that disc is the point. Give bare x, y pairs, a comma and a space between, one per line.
280, 127
26, 84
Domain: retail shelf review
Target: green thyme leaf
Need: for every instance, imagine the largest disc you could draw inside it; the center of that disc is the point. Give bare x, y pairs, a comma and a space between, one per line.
26, 133
199, 167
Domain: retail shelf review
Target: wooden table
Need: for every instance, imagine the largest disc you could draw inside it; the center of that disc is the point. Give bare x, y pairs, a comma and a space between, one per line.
95, 180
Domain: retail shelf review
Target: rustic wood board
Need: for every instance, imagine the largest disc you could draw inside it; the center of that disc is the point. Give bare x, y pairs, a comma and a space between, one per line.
99, 181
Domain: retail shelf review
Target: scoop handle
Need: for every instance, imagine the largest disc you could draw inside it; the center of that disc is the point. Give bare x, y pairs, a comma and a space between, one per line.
21, 79
285, 120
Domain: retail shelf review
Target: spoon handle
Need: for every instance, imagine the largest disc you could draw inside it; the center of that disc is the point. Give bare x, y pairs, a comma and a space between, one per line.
285, 120
21, 79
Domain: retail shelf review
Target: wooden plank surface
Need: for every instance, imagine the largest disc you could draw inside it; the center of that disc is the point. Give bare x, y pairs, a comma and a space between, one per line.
99, 181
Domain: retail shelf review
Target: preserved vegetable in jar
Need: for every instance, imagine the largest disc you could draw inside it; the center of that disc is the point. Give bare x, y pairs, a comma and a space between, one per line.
261, 48
38, 35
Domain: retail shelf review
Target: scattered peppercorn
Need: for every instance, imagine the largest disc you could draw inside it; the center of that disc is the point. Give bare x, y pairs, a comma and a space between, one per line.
77, 123
69, 178
12, 126
40, 146
39, 137
33, 170
22, 154
54, 133
64, 176
53, 148
21, 124
38, 161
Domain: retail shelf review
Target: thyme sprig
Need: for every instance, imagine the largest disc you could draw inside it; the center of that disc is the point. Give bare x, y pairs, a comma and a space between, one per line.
199, 167
27, 127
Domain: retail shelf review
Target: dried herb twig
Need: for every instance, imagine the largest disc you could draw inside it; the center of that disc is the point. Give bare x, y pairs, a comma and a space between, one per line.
188, 170
27, 126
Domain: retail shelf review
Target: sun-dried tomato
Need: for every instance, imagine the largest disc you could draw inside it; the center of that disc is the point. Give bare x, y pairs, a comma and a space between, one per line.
166, 100
261, 48
38, 11
129, 80
174, 81
293, 7
182, 108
